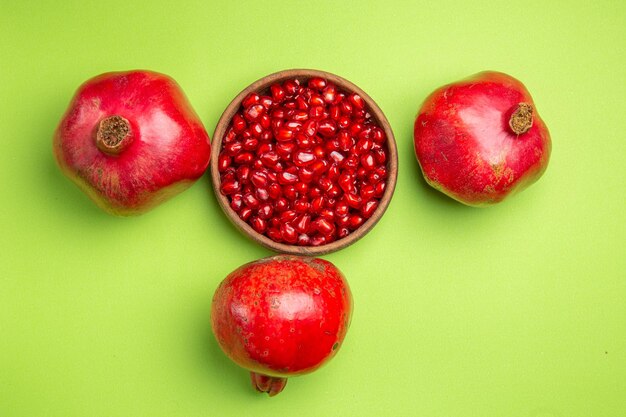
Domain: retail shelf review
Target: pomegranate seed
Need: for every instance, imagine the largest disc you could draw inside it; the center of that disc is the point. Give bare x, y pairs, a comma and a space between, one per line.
327, 128
281, 204
288, 216
253, 112
341, 209
274, 190
243, 173
265, 211
317, 83
288, 233
346, 142
250, 144
368, 161
324, 226
356, 101
236, 202
337, 156
343, 221
262, 194
363, 145
344, 122
304, 240
250, 200
258, 224
291, 86
315, 192
343, 232
301, 188
351, 162
317, 204
318, 240
250, 99
284, 134
329, 94
245, 213
346, 107
233, 148
333, 172
274, 234
367, 192
316, 112
346, 182
355, 129
325, 184
287, 178
302, 224
303, 158
239, 123
278, 93
269, 159
316, 100
230, 187
334, 112
319, 167
300, 116
255, 129
223, 162
244, 158
334, 192
379, 189
381, 156
355, 221
301, 206
353, 200
266, 101
369, 208
290, 193
259, 179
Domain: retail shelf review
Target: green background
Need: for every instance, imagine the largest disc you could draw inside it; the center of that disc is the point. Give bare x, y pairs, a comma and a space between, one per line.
517, 310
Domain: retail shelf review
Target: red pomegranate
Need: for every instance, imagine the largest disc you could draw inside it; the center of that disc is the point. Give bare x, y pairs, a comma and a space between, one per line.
131, 140
281, 316
481, 139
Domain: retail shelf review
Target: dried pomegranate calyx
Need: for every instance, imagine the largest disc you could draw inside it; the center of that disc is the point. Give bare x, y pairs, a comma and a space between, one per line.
113, 135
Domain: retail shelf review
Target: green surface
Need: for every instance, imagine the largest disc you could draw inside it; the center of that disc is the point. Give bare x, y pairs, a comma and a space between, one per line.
517, 310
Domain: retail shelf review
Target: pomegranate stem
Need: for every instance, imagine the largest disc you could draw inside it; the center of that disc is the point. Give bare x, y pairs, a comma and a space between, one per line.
272, 385
521, 119
113, 135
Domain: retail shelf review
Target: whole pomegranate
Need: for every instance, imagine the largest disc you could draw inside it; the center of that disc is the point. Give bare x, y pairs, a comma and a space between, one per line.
481, 139
131, 140
281, 316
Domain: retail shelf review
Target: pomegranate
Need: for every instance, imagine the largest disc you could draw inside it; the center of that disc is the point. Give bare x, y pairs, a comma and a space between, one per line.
281, 316
481, 139
304, 163
131, 140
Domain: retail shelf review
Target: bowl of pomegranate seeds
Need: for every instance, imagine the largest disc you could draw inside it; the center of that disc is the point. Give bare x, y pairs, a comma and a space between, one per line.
304, 162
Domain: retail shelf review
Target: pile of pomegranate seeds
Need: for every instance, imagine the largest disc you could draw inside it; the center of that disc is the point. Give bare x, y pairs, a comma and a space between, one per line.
305, 164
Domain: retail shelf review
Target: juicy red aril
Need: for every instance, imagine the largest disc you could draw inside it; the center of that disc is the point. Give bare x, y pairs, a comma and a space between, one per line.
250, 99
317, 83
369, 208
327, 128
303, 163
223, 162
230, 187
253, 112
258, 224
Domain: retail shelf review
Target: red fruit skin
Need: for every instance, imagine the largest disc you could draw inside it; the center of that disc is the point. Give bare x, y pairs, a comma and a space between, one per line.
282, 316
465, 146
169, 150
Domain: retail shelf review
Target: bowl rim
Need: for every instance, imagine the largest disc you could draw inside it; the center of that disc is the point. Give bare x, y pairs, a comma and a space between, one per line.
343, 84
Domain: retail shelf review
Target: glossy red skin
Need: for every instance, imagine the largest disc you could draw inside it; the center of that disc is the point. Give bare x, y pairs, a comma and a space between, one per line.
282, 316
465, 146
170, 148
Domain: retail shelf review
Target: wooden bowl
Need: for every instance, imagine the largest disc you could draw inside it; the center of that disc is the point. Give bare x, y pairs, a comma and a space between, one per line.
262, 87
